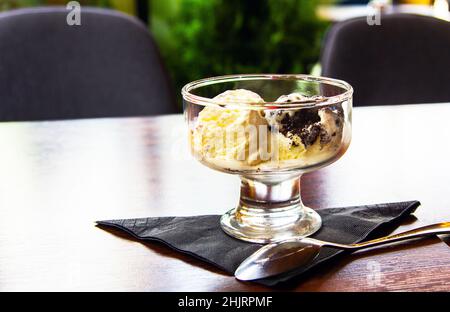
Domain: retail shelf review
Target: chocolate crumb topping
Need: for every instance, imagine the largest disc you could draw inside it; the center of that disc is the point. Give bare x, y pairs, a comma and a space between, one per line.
310, 125
307, 125
325, 137
310, 134
296, 123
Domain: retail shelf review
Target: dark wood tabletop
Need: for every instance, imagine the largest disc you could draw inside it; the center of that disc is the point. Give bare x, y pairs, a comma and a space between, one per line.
57, 178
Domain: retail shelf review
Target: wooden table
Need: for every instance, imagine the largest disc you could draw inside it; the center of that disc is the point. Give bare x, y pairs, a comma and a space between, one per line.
57, 178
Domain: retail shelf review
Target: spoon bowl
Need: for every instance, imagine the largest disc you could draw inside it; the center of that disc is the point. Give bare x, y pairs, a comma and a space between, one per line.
269, 260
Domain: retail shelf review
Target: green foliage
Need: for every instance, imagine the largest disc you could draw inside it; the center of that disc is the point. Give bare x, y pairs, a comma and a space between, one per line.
205, 38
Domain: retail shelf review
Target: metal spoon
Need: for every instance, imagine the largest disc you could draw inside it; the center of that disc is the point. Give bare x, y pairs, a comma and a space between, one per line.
284, 256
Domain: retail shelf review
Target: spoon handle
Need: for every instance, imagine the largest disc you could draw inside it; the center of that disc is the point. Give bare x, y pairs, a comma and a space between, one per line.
438, 228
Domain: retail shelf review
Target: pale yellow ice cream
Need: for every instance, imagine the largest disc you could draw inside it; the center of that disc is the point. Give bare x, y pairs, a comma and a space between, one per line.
288, 148
227, 133
237, 137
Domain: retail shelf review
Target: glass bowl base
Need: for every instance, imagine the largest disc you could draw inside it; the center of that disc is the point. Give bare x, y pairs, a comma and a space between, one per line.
307, 225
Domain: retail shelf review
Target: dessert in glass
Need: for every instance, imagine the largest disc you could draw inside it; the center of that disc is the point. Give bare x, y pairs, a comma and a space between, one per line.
268, 130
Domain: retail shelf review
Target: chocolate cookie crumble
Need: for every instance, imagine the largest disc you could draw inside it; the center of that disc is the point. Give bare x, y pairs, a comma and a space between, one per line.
309, 124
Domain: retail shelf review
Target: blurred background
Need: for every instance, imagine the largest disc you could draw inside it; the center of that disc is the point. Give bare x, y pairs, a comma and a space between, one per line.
201, 38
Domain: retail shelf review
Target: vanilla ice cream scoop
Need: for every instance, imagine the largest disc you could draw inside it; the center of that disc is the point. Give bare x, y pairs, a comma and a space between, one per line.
232, 134
238, 96
298, 97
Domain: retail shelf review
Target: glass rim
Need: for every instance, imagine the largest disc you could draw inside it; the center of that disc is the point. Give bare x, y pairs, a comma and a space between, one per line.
200, 100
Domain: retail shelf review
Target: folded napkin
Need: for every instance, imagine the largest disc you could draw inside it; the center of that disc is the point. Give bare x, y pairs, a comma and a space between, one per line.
202, 237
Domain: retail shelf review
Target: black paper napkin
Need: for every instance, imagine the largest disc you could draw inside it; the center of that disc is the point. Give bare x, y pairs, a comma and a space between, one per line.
202, 237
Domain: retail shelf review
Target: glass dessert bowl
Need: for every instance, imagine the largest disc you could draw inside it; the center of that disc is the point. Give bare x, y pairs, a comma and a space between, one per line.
268, 130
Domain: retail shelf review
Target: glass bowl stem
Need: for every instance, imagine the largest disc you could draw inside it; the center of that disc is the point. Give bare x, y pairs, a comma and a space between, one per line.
270, 210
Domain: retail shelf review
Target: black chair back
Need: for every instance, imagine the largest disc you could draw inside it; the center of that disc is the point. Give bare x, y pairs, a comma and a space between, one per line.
108, 66
404, 60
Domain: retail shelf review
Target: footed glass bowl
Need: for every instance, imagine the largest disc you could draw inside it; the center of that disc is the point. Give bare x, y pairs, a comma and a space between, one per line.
268, 130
